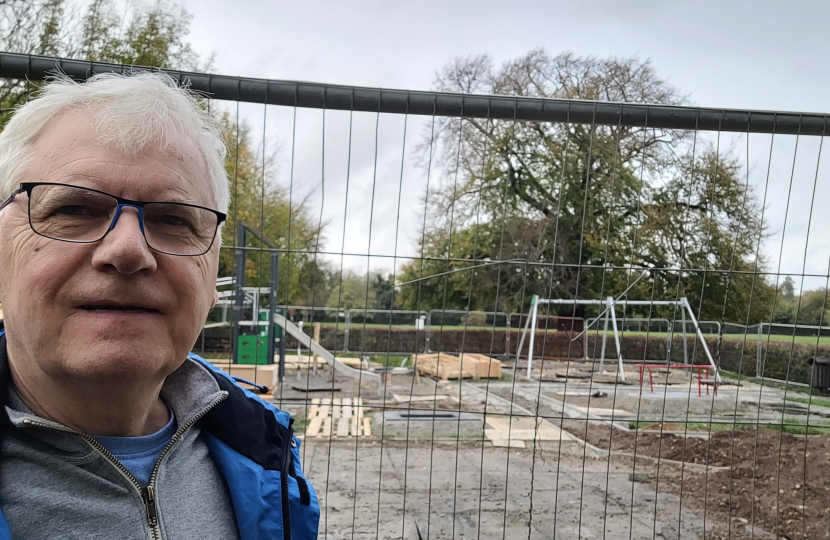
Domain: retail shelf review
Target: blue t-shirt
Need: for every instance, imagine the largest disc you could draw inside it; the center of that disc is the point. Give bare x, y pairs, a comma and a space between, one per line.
139, 454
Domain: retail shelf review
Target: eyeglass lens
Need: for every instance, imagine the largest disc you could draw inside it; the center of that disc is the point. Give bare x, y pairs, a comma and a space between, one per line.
76, 214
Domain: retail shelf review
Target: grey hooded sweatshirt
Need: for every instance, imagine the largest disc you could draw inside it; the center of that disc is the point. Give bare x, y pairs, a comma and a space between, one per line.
56, 483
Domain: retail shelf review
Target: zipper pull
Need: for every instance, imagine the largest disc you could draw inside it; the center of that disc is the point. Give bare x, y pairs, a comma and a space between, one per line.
149, 497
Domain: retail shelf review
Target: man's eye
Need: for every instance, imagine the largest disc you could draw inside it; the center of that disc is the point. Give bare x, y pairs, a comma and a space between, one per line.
174, 221
72, 210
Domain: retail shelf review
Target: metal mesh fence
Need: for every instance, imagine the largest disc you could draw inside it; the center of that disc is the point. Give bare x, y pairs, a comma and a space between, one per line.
408, 232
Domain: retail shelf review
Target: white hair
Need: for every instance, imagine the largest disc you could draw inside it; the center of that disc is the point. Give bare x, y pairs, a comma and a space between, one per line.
131, 113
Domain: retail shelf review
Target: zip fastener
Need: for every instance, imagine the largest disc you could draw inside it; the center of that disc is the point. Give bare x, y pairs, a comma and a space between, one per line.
181, 431
286, 507
148, 496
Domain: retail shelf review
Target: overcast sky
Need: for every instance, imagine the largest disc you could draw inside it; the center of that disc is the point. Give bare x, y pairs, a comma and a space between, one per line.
737, 54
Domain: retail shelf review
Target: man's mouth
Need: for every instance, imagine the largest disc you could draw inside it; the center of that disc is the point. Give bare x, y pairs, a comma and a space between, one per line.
118, 307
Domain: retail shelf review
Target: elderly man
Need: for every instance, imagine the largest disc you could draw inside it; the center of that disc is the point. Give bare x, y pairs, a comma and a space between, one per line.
115, 191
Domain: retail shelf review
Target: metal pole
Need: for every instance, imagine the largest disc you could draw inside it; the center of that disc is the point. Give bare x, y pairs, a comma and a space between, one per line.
685, 344
427, 332
613, 311
702, 339
281, 372
618, 303
347, 321
507, 335
376, 100
240, 294
669, 340
604, 339
524, 334
533, 311
759, 350
272, 306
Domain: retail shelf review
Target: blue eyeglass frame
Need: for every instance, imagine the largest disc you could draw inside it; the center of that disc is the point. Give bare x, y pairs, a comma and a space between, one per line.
121, 202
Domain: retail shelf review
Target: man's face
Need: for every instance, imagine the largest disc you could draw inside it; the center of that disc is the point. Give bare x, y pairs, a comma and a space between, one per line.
148, 307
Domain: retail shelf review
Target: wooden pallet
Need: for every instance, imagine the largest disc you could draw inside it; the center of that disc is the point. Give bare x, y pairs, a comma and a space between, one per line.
487, 367
338, 418
448, 366
444, 366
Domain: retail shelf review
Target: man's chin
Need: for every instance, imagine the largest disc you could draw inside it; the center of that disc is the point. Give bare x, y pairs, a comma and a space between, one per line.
123, 359
110, 324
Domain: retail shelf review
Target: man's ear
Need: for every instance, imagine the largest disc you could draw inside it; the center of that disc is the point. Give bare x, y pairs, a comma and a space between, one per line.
215, 299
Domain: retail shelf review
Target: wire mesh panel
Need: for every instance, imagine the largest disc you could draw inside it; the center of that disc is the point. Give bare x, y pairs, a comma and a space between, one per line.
379, 332
329, 326
407, 225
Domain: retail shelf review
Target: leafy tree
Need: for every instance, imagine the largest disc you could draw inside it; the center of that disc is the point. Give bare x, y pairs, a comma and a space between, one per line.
813, 310
596, 201
788, 288
383, 290
810, 308
149, 35
153, 35
352, 293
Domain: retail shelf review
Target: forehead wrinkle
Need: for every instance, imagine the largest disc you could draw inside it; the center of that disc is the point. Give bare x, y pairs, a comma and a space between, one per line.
176, 145
128, 187
60, 154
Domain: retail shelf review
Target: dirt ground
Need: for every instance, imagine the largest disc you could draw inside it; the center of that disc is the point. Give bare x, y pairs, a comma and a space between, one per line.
766, 482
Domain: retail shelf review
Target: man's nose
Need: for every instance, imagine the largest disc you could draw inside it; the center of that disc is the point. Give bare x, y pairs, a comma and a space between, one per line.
124, 246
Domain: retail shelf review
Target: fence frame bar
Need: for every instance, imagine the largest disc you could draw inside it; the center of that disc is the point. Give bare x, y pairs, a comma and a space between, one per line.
379, 100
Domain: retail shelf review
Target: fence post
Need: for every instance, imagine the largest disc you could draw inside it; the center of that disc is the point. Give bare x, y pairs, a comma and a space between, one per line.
506, 335
604, 339
685, 341
347, 324
272, 305
239, 297
316, 337
427, 331
759, 351
534, 307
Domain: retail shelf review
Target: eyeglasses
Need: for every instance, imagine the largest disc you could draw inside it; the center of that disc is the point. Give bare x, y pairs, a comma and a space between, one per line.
82, 215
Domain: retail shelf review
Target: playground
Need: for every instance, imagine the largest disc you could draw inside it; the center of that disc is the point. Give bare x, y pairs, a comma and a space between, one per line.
583, 453
586, 428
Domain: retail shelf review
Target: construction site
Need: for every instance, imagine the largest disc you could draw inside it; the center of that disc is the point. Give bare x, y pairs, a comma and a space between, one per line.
470, 445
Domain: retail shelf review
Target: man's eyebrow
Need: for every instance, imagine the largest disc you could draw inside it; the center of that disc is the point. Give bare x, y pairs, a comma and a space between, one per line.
163, 195
173, 199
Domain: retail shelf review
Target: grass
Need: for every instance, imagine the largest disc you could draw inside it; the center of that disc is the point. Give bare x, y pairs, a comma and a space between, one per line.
213, 355
767, 382
300, 423
388, 360
690, 426
812, 400
797, 427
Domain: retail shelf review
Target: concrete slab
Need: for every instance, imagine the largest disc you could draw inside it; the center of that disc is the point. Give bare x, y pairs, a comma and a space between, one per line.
604, 411
524, 429
371, 489
427, 424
